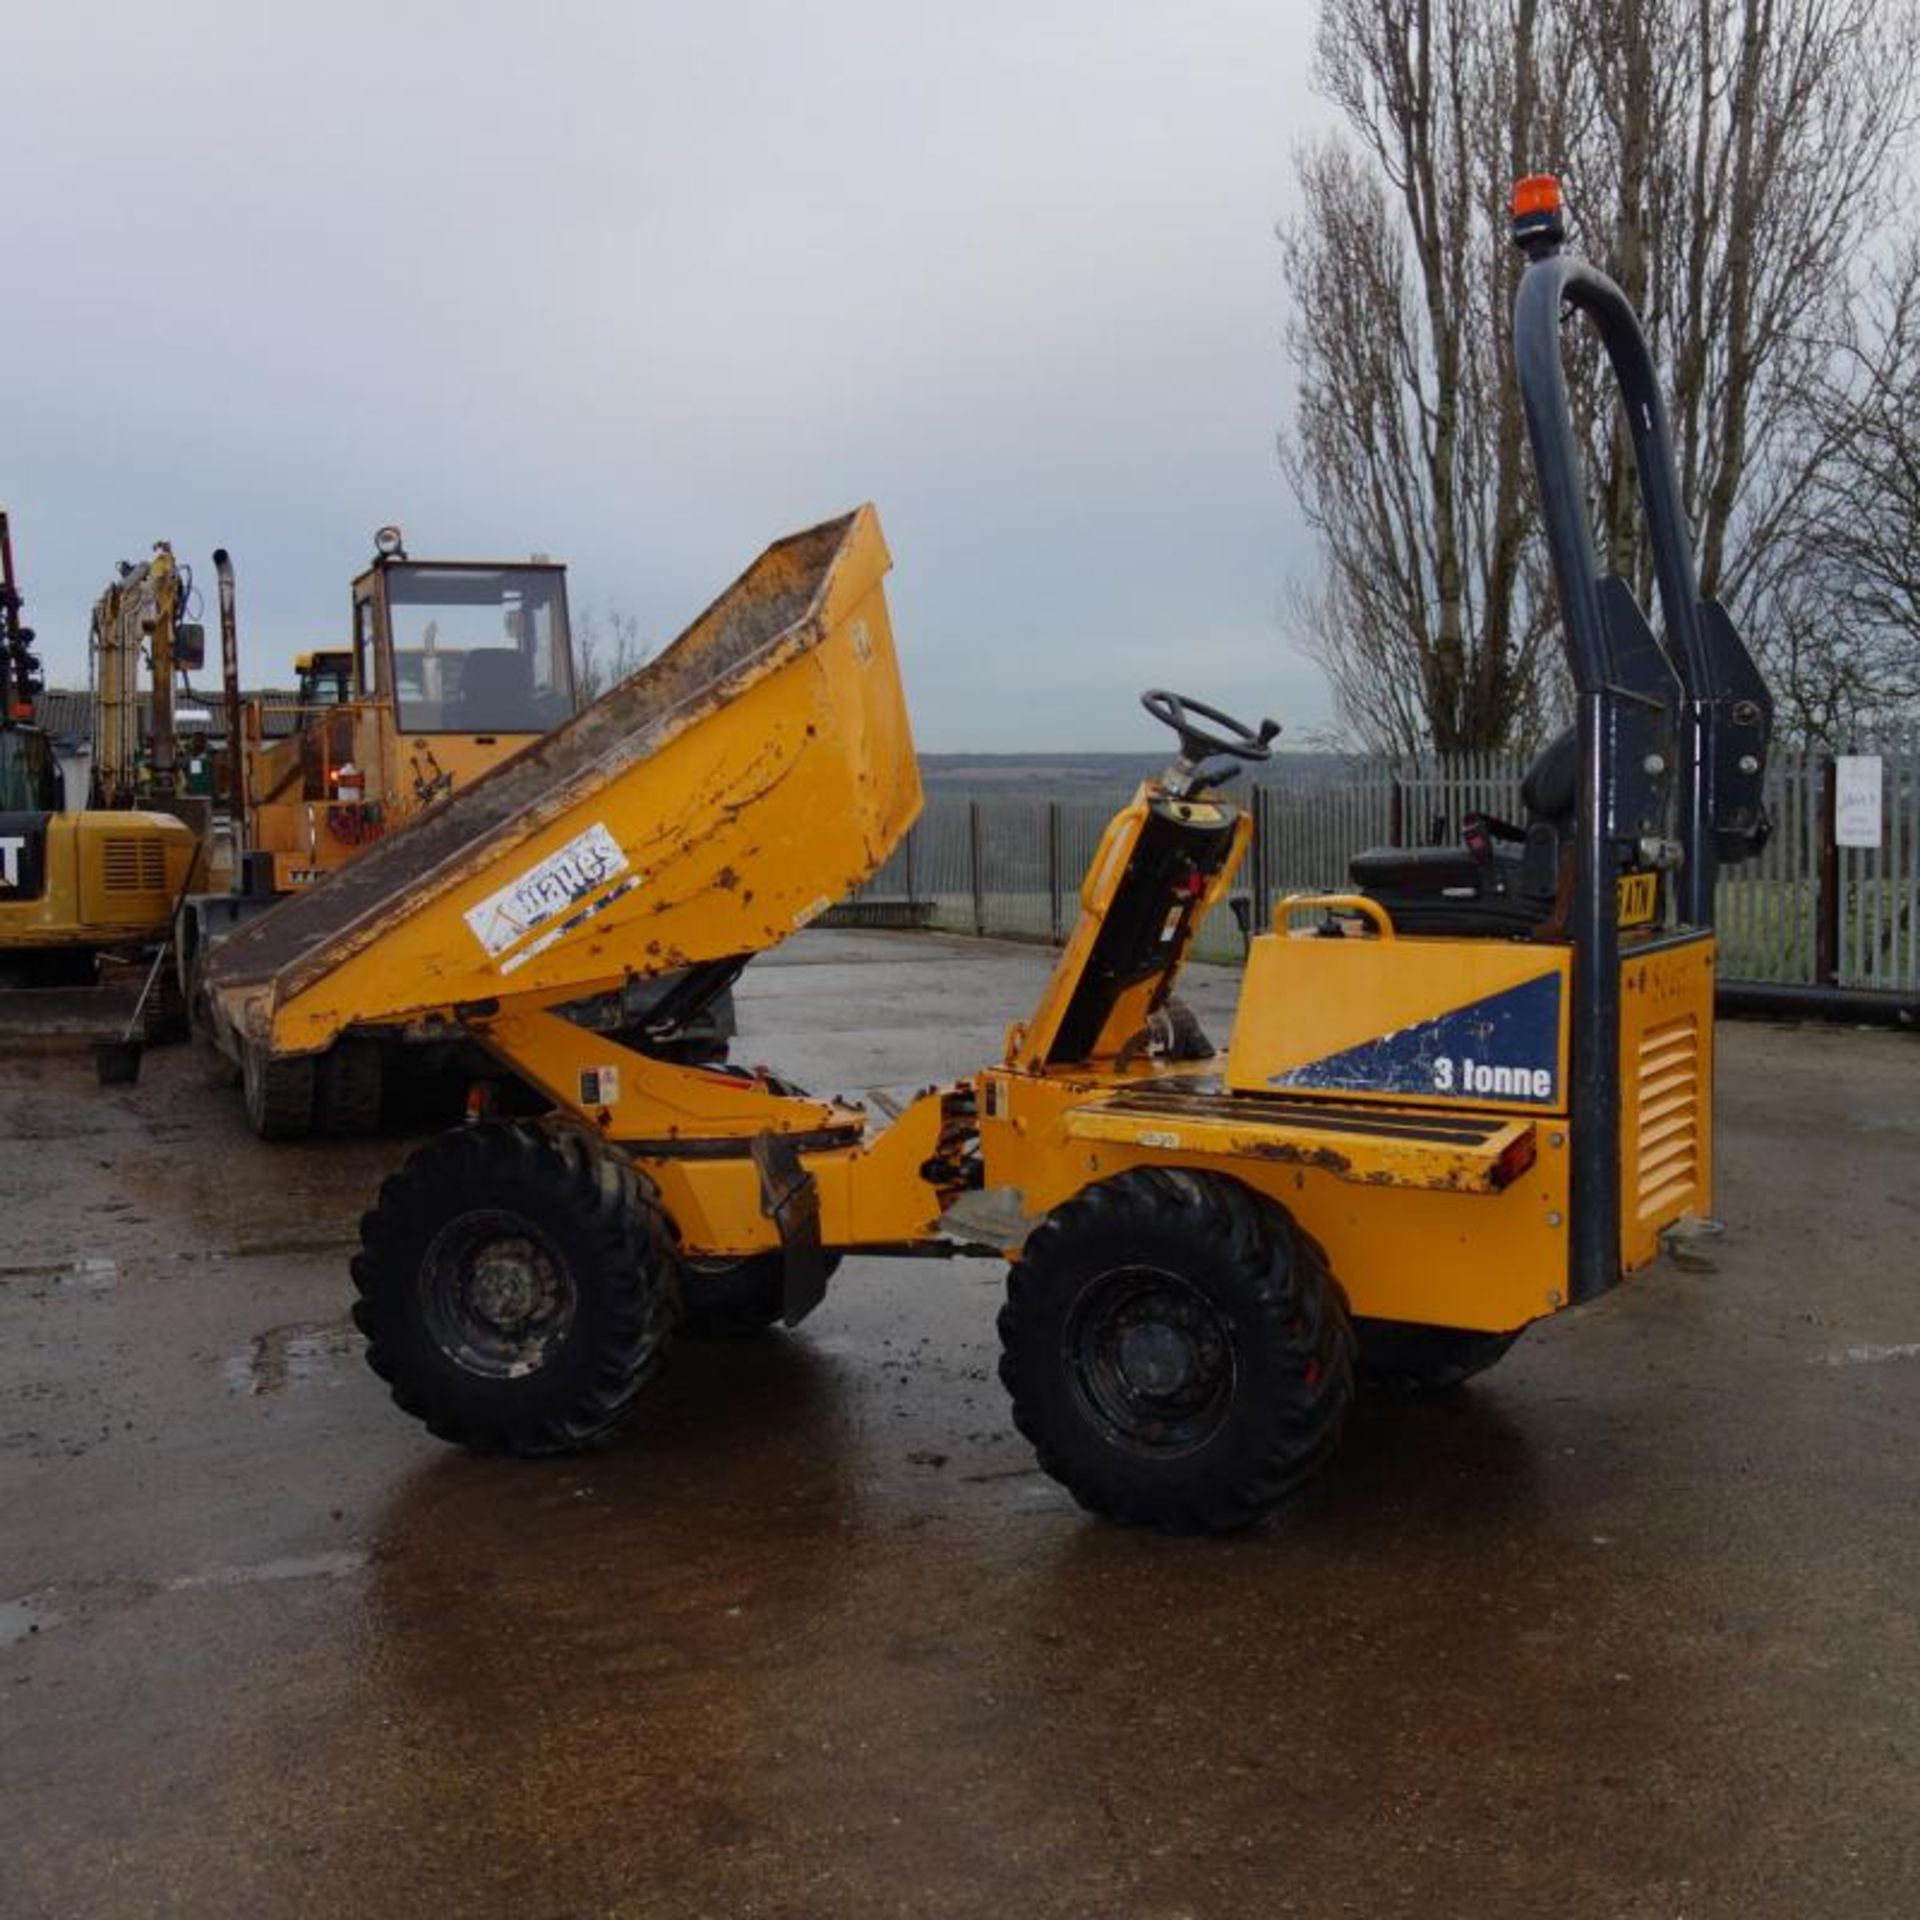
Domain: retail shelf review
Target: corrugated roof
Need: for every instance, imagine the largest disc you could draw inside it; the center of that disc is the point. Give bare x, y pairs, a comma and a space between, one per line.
67, 712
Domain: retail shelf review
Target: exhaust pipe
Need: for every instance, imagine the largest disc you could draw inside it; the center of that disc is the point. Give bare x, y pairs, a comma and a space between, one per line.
230, 672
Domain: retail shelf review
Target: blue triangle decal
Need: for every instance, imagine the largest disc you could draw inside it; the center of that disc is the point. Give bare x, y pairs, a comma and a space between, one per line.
1504, 1047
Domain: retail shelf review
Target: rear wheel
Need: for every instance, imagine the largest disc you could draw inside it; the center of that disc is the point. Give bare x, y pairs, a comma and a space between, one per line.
515, 1289
1177, 1353
731, 1298
278, 1093
347, 1087
1401, 1356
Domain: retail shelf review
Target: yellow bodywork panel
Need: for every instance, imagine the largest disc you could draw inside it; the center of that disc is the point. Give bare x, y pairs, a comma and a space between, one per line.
1455, 1250
871, 1194
1666, 1091
1470, 1023
632, 1097
109, 877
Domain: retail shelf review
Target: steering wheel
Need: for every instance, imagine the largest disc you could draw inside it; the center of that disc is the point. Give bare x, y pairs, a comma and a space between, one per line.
1197, 743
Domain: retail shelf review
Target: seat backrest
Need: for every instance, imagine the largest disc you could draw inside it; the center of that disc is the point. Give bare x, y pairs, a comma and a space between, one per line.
1551, 789
496, 691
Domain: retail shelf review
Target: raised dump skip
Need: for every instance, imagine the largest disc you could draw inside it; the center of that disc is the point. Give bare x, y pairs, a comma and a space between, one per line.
708, 805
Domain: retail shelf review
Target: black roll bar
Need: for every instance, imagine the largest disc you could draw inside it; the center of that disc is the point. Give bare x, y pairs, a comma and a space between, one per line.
1641, 707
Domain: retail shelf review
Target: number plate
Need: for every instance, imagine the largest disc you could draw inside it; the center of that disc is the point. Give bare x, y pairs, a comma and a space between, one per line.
1639, 894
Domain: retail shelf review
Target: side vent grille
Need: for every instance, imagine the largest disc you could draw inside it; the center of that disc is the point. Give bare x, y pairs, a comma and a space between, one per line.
1666, 1139
132, 865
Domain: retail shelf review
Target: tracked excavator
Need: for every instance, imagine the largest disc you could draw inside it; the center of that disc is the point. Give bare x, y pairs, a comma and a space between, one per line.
87, 892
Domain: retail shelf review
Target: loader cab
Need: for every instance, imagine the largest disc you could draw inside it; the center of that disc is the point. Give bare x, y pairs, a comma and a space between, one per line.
479, 651
325, 679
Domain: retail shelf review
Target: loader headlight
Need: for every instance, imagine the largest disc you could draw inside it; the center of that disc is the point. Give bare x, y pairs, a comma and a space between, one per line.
388, 544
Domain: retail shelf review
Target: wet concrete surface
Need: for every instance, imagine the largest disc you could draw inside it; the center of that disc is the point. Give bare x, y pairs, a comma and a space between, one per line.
1628, 1628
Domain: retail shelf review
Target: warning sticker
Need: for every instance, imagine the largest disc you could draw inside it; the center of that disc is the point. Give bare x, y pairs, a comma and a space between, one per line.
599, 1086
564, 878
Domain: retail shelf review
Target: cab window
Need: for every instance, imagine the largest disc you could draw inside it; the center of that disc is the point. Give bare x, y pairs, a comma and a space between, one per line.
479, 649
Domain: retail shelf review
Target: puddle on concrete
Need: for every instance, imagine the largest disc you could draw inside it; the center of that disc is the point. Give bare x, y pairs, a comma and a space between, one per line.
84, 1273
313, 1566
21, 1619
267, 1249
304, 1354
1869, 1356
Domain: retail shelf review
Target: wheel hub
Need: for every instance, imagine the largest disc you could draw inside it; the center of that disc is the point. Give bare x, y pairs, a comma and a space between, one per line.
507, 1284
1152, 1358
497, 1296
1156, 1359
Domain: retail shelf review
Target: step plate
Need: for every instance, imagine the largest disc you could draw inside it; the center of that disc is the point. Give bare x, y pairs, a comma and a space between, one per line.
1376, 1145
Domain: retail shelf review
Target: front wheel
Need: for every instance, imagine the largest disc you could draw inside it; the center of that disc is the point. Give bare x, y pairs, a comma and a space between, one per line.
1177, 1352
515, 1288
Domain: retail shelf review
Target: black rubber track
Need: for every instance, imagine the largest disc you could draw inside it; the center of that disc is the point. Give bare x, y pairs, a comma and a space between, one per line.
1399, 1356
1266, 1284
347, 1086
597, 1216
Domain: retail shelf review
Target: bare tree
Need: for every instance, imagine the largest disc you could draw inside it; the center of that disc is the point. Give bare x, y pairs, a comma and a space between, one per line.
1405, 450
607, 647
1846, 613
1724, 154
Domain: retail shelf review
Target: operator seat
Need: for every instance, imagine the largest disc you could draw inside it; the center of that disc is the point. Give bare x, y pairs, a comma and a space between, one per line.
496, 692
1502, 881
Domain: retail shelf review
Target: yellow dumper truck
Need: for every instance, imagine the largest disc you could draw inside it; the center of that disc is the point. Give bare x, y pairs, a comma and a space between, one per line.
1472, 1091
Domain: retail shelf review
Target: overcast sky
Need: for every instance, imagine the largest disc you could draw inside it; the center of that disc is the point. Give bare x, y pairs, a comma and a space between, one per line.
646, 286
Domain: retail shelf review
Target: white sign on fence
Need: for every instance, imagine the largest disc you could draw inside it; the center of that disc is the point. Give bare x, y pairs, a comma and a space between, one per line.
1856, 813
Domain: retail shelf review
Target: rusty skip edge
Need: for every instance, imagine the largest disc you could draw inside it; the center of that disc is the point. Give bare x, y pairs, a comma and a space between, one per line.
1434, 1170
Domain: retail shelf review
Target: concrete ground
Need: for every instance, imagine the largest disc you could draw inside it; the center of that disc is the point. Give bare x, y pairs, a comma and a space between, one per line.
1628, 1628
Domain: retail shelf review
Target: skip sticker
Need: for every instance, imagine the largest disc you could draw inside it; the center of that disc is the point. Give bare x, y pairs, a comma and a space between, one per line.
558, 882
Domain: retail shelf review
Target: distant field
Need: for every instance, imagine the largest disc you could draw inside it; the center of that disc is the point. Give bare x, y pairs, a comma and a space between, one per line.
1083, 776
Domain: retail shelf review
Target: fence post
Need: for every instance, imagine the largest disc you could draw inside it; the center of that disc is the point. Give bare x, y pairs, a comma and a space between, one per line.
1053, 871
1396, 810
1826, 904
912, 896
974, 868
1257, 859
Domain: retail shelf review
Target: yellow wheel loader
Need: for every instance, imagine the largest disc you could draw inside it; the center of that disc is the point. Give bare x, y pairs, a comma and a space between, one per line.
1470, 1093
453, 667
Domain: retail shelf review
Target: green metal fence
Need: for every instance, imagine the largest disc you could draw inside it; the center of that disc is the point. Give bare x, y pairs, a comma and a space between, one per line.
1806, 911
